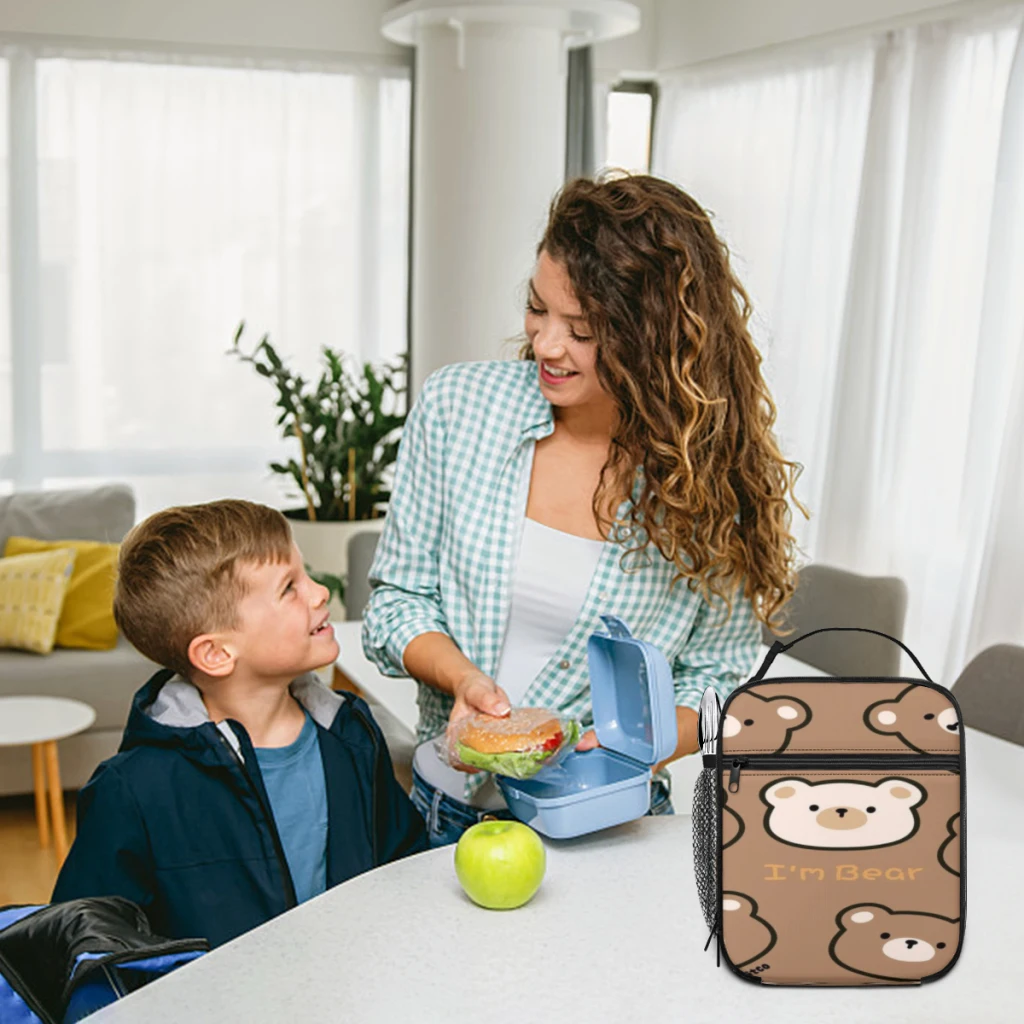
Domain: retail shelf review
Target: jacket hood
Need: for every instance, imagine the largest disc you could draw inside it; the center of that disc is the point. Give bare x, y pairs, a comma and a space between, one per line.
169, 712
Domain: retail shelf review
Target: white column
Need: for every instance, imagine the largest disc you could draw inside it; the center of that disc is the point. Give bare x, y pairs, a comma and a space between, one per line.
489, 154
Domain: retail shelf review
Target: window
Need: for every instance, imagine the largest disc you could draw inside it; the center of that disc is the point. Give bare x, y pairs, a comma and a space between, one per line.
630, 116
873, 196
6, 368
176, 200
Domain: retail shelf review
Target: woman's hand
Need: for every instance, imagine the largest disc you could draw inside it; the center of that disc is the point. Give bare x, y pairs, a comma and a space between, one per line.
588, 741
476, 693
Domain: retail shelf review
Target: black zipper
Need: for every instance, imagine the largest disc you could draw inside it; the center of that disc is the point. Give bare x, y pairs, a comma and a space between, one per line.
849, 762
290, 899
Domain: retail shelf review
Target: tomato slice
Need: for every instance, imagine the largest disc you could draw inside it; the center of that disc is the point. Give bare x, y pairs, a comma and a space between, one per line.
554, 743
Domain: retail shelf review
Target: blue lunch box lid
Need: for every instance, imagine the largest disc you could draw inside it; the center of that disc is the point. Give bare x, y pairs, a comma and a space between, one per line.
632, 693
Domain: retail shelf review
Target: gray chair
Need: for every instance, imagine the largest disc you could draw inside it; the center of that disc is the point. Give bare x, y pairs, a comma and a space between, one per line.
361, 549
826, 596
990, 692
401, 743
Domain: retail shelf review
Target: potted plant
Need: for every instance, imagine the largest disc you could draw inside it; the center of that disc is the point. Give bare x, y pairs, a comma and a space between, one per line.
346, 426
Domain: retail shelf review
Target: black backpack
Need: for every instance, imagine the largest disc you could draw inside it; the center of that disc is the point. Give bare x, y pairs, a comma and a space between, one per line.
63, 961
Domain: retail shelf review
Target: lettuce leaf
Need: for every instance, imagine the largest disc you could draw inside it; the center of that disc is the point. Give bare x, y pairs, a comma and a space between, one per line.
516, 764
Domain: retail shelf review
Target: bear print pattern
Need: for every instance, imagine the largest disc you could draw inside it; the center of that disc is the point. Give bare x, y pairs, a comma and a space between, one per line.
893, 945
842, 815
848, 871
764, 724
746, 936
949, 852
732, 824
921, 717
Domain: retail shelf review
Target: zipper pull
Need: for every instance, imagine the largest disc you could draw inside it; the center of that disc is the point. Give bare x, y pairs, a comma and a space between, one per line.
734, 775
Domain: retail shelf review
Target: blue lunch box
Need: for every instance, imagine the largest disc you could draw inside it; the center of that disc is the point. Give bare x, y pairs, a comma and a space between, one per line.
635, 720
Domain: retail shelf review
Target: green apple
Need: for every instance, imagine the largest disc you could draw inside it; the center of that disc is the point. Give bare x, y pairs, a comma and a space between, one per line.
500, 864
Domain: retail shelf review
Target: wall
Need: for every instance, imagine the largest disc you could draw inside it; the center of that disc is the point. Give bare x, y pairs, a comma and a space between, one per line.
633, 54
674, 33
324, 26
691, 31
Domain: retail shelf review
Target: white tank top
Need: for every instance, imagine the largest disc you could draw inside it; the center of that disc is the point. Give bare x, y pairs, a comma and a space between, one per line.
549, 585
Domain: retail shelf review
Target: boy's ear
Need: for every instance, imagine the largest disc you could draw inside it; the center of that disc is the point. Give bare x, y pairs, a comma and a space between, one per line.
212, 654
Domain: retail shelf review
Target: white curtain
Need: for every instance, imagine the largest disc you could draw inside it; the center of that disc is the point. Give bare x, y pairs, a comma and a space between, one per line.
176, 200
6, 418
859, 191
776, 156
997, 610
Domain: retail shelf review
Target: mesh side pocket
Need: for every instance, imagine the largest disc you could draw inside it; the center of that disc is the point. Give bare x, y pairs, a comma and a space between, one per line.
705, 842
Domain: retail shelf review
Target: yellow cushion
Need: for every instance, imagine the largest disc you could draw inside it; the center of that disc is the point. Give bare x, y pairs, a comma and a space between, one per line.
87, 618
31, 594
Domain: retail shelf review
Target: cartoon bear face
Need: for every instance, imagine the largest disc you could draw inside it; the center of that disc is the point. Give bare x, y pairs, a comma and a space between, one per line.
763, 723
922, 718
746, 936
949, 852
842, 815
893, 945
732, 824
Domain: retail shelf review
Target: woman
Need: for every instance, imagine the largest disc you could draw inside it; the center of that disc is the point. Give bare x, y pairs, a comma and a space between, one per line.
626, 464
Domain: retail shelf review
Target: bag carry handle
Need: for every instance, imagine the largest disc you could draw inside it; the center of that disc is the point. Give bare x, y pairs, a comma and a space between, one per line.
779, 647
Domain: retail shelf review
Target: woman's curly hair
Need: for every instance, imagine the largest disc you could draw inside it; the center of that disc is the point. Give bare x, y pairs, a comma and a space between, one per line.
670, 321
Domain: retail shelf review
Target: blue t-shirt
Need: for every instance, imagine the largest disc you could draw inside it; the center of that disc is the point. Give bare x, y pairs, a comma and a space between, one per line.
294, 777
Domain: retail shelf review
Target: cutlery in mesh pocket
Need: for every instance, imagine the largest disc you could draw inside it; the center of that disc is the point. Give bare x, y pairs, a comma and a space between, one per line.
705, 809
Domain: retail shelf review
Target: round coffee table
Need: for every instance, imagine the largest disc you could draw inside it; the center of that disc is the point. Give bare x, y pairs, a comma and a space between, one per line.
39, 722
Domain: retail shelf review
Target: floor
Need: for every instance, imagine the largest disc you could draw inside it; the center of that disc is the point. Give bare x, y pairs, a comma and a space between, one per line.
27, 872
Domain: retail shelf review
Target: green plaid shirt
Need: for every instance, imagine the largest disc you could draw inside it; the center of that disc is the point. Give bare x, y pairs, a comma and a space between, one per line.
446, 558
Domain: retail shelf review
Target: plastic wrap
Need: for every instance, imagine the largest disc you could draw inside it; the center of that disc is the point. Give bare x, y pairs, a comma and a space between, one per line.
517, 745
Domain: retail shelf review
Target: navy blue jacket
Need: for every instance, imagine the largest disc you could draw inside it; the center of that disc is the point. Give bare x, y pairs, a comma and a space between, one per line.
178, 821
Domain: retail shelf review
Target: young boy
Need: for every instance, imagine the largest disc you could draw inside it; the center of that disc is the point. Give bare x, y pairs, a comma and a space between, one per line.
243, 785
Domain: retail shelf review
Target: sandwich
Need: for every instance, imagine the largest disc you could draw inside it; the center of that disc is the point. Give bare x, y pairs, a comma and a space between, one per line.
518, 745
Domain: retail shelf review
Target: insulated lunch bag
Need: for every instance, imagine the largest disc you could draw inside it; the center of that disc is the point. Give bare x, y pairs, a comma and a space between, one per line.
828, 828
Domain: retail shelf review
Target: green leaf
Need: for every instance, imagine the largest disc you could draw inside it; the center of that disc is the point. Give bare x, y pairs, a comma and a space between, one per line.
338, 411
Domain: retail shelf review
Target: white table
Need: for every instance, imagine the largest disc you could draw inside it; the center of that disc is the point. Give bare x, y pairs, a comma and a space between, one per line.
398, 696
615, 934
39, 722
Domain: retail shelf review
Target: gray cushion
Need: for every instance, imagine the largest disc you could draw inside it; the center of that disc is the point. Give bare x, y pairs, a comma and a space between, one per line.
99, 513
107, 680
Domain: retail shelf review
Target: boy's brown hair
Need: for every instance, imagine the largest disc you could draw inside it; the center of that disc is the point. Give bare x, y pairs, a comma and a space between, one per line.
178, 573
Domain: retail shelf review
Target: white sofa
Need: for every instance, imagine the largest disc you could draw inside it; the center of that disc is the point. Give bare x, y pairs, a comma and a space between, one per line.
107, 680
